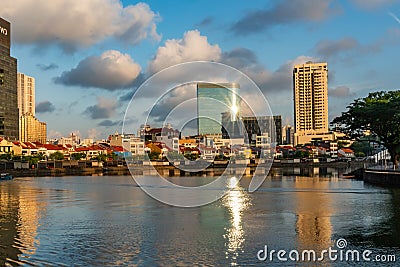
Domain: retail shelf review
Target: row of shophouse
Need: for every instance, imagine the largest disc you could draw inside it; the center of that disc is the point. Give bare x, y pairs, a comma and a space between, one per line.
162, 141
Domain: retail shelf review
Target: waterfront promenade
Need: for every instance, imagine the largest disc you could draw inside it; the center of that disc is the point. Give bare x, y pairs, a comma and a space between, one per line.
66, 168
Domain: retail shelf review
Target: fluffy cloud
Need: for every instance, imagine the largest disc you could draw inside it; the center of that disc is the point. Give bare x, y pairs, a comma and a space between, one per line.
112, 70
340, 92
347, 48
329, 48
44, 106
240, 58
178, 104
284, 13
191, 47
74, 24
269, 81
104, 109
54, 134
93, 133
109, 123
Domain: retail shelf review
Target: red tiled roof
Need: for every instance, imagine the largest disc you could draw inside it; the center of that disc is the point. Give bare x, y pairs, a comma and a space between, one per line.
347, 150
30, 145
52, 147
118, 149
89, 148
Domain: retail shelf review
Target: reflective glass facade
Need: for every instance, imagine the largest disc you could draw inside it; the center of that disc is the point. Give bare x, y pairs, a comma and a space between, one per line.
8, 86
212, 101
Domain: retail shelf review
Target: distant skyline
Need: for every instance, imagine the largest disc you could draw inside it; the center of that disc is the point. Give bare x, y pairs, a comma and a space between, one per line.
88, 56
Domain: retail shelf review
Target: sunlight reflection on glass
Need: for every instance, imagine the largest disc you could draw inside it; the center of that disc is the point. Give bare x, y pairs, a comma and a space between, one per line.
237, 202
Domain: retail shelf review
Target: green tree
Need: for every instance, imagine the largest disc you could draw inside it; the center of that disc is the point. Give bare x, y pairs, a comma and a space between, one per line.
302, 154
56, 156
78, 156
41, 156
113, 156
154, 155
361, 147
378, 113
100, 157
359, 154
6, 156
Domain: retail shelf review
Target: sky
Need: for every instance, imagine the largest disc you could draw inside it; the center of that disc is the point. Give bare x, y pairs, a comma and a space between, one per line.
89, 57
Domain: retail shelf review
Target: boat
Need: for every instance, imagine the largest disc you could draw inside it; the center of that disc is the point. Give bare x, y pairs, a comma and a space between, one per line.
348, 176
5, 176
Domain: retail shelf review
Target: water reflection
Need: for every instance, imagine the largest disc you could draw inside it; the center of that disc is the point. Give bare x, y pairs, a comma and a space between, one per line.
237, 202
314, 210
108, 221
19, 222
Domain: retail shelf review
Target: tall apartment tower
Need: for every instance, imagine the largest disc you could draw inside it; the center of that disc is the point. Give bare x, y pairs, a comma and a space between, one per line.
310, 83
8, 85
30, 128
310, 91
26, 94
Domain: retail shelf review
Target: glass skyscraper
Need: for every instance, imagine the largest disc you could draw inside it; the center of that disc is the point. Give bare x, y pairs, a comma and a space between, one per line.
8, 86
212, 101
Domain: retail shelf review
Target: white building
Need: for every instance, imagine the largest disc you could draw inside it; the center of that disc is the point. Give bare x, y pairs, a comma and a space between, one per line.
133, 145
26, 94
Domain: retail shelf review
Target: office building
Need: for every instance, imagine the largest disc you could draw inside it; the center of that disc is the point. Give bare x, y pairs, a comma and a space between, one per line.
212, 101
31, 129
8, 85
26, 94
231, 128
310, 93
270, 126
287, 135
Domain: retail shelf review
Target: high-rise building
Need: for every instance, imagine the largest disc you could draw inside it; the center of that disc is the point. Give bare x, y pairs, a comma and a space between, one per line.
8, 85
310, 83
26, 94
287, 135
231, 129
213, 99
261, 125
31, 129
310, 93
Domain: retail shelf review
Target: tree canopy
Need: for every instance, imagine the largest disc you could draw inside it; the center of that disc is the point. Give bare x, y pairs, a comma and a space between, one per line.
57, 155
378, 113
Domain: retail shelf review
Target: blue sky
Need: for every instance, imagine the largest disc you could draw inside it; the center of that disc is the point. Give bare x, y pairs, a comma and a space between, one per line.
89, 56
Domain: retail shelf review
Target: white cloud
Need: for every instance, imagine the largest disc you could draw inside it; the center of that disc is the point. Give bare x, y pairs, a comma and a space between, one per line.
112, 70
72, 23
93, 133
54, 134
340, 92
193, 46
104, 109
279, 80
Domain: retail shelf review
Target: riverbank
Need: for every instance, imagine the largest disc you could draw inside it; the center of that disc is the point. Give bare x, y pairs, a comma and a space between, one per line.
167, 170
386, 178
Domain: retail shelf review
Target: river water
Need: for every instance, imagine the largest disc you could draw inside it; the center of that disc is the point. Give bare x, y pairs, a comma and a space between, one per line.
110, 221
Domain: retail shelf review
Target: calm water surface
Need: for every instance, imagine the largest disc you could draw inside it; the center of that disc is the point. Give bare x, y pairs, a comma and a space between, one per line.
109, 221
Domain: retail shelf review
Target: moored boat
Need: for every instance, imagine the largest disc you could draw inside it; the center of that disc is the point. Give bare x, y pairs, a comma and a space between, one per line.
5, 176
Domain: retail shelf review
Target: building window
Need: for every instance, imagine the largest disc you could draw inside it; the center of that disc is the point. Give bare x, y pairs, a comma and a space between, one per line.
1, 77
